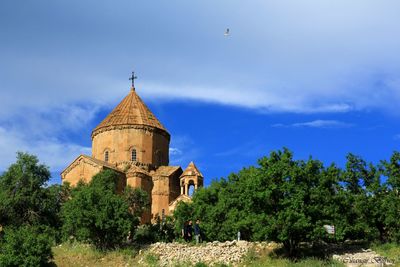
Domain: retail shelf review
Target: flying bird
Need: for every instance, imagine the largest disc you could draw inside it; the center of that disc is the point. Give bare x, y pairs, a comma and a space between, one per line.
226, 32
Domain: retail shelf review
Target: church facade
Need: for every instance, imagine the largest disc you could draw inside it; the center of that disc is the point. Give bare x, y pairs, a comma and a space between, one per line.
132, 142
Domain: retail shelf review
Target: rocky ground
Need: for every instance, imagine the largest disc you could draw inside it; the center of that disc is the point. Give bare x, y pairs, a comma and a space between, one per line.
234, 252
230, 252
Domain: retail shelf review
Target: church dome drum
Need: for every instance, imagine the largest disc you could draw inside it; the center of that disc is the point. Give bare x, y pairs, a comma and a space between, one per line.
131, 132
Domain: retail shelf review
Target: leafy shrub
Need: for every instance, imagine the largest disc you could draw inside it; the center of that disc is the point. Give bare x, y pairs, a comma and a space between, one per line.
25, 246
161, 231
23, 196
97, 214
164, 229
144, 234
289, 201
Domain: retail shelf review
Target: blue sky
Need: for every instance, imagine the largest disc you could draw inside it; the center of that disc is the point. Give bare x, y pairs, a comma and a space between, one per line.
319, 77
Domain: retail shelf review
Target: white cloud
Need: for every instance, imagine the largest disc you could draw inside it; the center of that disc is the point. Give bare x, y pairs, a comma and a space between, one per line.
49, 121
307, 56
43, 132
182, 151
316, 124
173, 151
51, 152
252, 98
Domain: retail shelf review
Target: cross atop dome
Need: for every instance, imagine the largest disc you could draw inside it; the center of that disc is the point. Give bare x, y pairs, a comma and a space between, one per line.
132, 78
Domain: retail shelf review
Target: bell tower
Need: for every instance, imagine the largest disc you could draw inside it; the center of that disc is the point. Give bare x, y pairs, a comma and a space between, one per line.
190, 177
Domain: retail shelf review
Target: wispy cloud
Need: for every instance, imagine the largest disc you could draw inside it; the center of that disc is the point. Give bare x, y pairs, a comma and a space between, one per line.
310, 58
254, 98
316, 124
173, 151
52, 152
307, 56
182, 151
44, 133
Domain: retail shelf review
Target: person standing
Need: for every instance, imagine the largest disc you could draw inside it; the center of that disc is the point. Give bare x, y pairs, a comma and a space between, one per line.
197, 231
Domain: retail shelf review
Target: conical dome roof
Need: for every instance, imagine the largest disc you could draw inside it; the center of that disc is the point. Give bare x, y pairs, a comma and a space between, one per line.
131, 111
191, 170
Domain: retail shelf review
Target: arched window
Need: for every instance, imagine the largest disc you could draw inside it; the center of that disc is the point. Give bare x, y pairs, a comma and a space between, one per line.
191, 188
106, 157
133, 155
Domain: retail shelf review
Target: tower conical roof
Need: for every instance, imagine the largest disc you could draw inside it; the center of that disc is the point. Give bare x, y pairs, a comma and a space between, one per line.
191, 170
131, 111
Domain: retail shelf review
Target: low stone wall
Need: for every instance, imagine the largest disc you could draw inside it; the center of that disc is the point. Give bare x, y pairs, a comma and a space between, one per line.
230, 252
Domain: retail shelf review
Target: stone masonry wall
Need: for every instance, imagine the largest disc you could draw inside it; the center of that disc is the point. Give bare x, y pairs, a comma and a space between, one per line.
230, 252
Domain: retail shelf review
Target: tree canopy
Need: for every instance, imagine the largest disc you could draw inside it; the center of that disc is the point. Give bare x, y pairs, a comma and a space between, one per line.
23, 197
290, 201
28, 213
281, 199
96, 213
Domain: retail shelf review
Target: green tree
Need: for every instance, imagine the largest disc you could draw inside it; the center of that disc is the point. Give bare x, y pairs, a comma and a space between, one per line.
25, 246
211, 207
282, 199
161, 231
97, 214
23, 196
390, 198
182, 213
290, 201
29, 212
137, 199
296, 214
358, 199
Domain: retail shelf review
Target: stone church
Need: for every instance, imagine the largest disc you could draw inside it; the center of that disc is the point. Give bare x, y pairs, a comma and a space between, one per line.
133, 142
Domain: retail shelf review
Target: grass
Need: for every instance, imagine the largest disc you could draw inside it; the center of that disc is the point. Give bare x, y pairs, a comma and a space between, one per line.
271, 259
82, 255
151, 260
389, 250
277, 262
